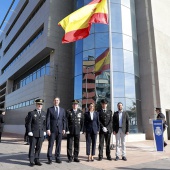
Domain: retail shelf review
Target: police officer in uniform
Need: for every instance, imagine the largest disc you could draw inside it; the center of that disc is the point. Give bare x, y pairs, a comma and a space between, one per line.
105, 119
161, 116
74, 127
36, 132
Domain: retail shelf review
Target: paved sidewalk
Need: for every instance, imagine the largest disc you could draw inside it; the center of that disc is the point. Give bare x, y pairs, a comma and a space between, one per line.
140, 155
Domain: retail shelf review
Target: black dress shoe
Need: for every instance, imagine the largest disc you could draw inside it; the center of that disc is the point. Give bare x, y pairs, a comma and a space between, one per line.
165, 144
100, 158
31, 164
70, 160
38, 163
124, 158
58, 161
49, 161
109, 158
117, 158
76, 160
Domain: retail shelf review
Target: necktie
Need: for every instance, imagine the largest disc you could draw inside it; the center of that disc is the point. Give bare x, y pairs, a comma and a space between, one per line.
104, 111
39, 112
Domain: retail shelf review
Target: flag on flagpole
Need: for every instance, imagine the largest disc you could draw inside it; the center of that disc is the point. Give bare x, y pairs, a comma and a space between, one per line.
77, 25
102, 62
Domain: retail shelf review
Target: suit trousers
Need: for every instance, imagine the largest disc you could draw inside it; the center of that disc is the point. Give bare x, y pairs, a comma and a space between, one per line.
107, 137
120, 137
91, 138
70, 138
35, 147
57, 137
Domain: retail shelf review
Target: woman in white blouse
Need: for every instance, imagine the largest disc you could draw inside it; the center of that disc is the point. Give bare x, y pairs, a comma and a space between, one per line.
91, 128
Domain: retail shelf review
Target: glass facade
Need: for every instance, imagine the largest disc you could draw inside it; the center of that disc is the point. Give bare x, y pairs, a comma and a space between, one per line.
22, 104
90, 51
41, 69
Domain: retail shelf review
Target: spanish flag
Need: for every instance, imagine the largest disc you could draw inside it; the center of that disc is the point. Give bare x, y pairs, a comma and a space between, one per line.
102, 62
77, 25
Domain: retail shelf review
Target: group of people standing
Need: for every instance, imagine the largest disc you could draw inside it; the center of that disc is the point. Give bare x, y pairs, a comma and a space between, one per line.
56, 122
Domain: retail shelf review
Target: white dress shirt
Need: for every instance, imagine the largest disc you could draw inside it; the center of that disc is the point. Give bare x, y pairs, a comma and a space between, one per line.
39, 111
120, 118
91, 115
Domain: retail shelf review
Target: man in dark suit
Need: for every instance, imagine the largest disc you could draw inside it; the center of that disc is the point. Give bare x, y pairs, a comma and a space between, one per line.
161, 116
36, 132
74, 127
56, 124
120, 130
105, 118
2, 113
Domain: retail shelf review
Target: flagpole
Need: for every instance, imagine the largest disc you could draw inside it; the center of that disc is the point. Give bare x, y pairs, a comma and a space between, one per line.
111, 68
111, 59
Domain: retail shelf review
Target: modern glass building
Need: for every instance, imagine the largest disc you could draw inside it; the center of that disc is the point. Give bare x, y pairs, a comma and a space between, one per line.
125, 62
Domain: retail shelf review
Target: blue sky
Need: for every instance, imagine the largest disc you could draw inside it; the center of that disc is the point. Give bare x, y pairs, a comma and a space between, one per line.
4, 6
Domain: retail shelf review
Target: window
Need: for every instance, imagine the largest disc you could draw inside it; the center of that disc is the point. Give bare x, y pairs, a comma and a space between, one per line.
27, 103
36, 72
34, 76
22, 104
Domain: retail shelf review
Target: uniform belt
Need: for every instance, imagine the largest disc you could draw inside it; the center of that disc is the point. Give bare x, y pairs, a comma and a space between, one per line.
120, 127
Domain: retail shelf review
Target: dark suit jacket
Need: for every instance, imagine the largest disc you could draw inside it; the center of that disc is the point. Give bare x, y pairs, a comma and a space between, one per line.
36, 123
125, 122
74, 121
91, 125
1, 122
53, 120
105, 120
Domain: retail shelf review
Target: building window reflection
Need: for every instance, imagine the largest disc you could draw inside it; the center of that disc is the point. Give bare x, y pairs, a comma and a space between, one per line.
92, 86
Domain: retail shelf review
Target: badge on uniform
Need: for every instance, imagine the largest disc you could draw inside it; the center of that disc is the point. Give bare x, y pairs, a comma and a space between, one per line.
70, 113
79, 115
35, 115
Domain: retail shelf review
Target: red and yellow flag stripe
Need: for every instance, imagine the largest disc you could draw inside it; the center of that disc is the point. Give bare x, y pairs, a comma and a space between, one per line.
77, 25
102, 62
